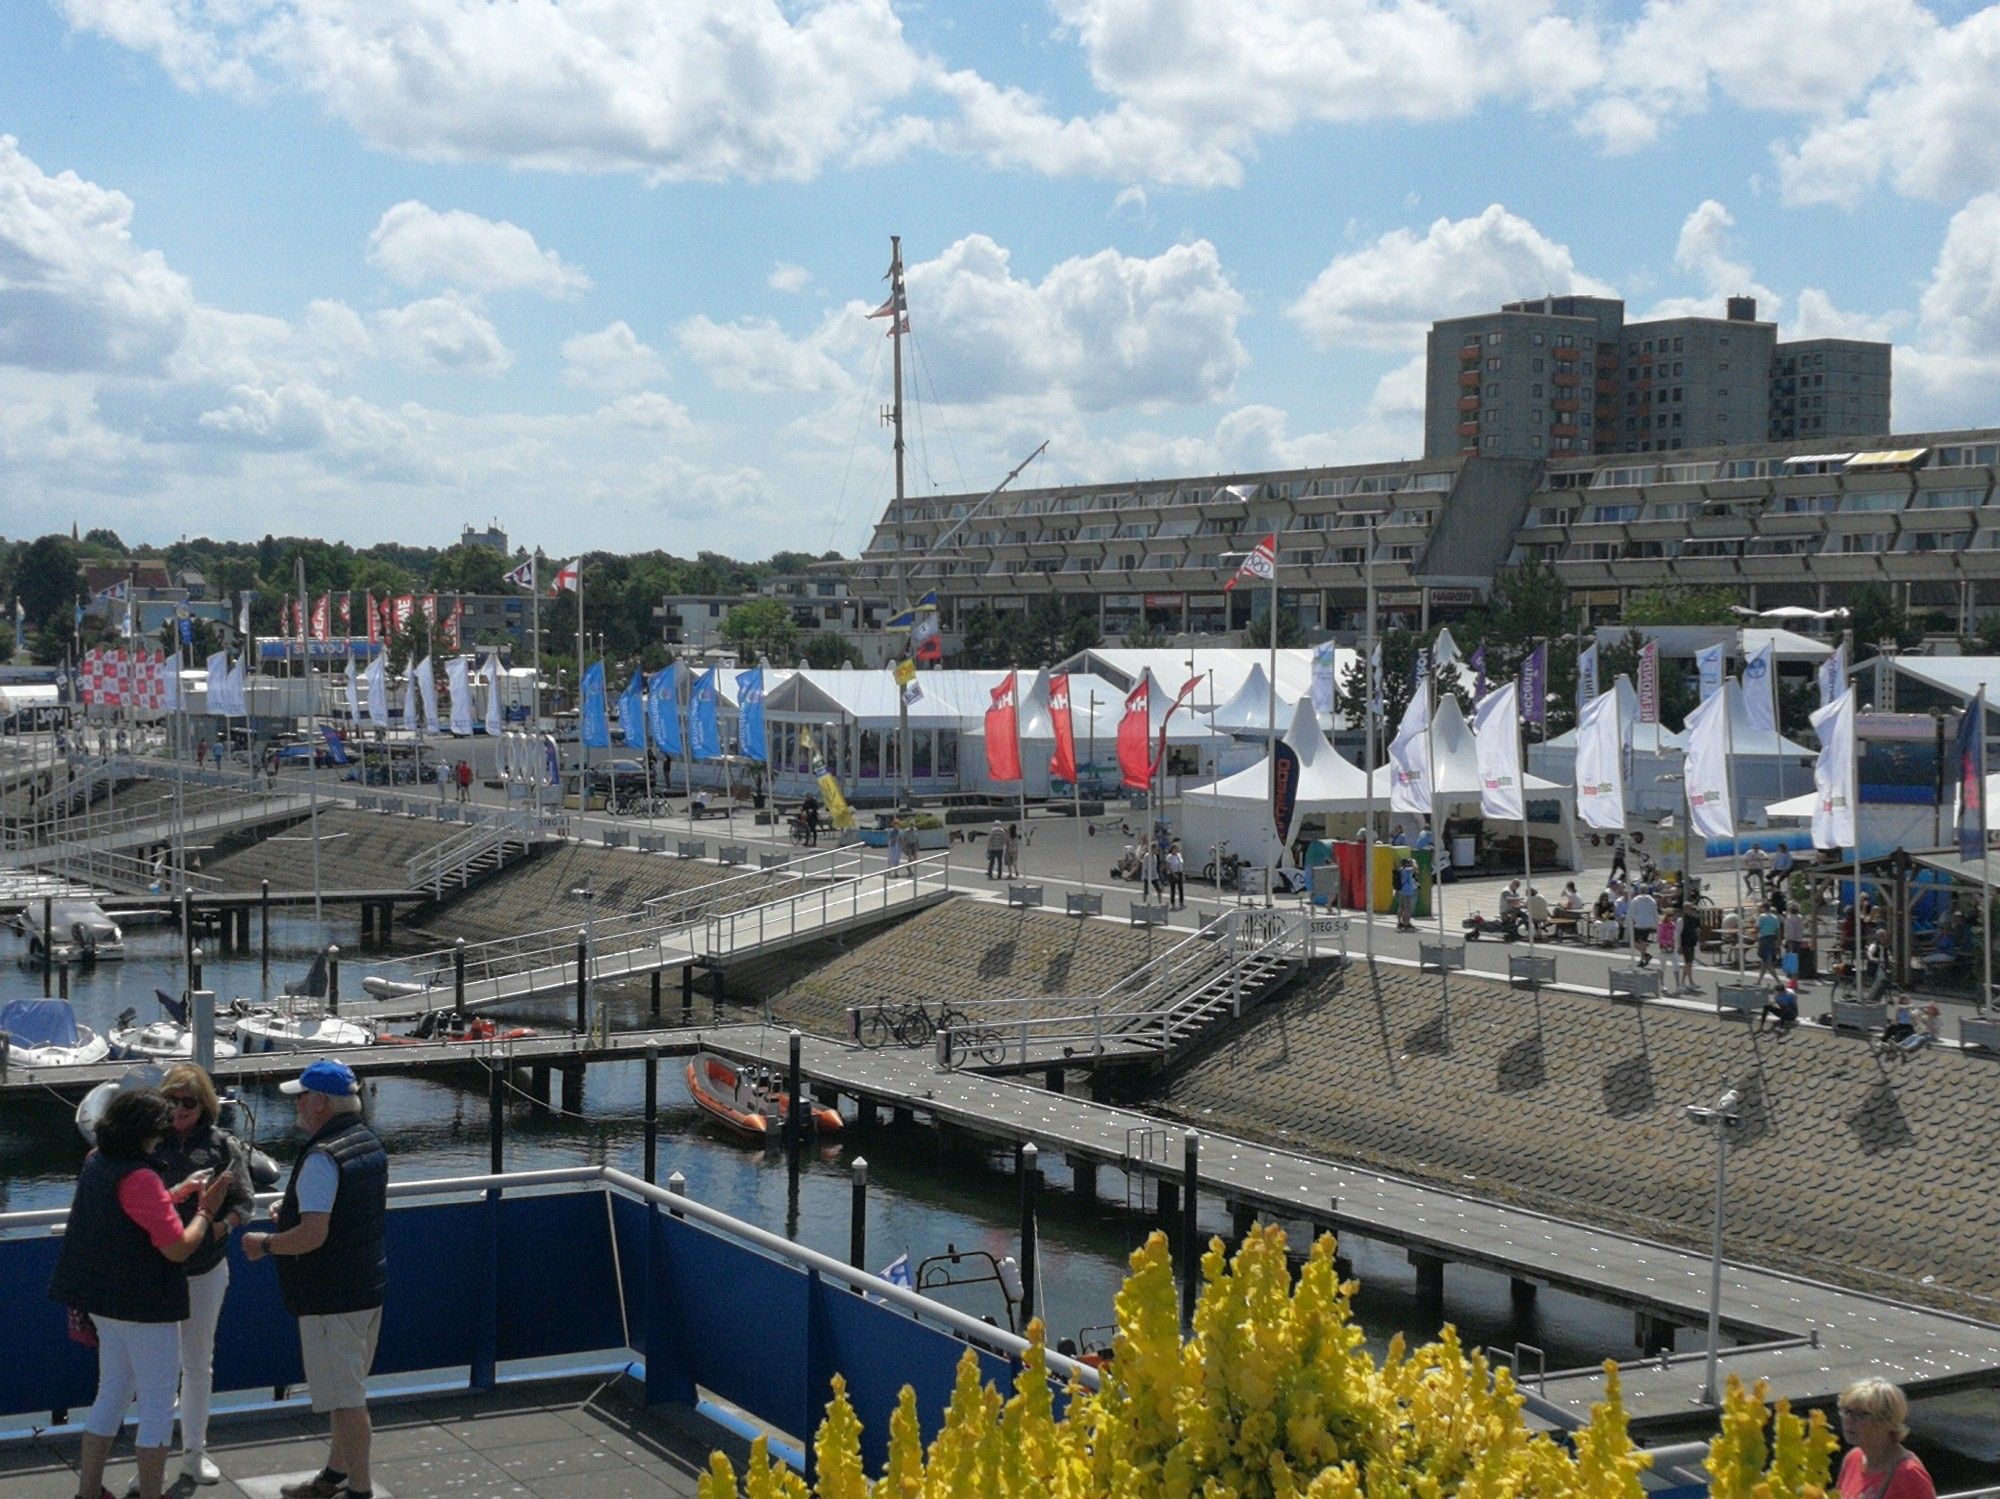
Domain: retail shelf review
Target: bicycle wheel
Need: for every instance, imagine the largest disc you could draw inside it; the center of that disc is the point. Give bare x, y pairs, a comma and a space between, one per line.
949, 1017
916, 1028
992, 1050
876, 1029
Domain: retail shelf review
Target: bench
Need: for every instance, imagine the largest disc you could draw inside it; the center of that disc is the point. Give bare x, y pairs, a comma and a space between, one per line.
1746, 1000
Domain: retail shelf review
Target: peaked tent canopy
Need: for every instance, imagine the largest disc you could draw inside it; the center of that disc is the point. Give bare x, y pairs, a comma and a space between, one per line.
1236, 811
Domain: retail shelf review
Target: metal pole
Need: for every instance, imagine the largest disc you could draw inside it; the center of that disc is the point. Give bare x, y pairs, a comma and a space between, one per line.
1190, 1250
1368, 748
1528, 862
264, 935
795, 1104
1985, 876
201, 1016
582, 985
1854, 801
857, 1215
312, 723
1031, 1180
495, 1145
458, 978
1721, 1126
49, 943
333, 980
1270, 738
652, 1113
194, 969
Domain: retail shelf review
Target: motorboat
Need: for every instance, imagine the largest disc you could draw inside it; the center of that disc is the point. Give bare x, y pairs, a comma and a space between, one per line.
287, 1027
79, 932
46, 1033
264, 1172
168, 1039
748, 1100
448, 1025
380, 988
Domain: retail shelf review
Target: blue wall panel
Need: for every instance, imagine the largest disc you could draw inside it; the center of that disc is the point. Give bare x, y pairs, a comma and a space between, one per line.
40, 1368
560, 1293
740, 1321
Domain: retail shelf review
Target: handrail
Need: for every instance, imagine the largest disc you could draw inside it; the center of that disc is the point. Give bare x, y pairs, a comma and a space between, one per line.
431, 868
778, 917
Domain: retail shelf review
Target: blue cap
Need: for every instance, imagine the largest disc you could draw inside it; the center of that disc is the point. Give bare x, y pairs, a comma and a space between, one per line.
330, 1076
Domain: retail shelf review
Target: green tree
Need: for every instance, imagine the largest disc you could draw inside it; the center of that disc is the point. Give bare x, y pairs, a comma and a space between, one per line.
470, 569
45, 581
1677, 697
826, 651
49, 645
105, 539
1876, 618
1680, 606
378, 577
761, 628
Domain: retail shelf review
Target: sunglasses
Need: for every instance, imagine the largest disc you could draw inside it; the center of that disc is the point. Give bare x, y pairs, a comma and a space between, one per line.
183, 1101
1855, 1413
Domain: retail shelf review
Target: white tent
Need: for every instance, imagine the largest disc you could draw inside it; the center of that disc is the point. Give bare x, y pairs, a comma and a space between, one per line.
1654, 751
1236, 811
1252, 707
1455, 781
1961, 676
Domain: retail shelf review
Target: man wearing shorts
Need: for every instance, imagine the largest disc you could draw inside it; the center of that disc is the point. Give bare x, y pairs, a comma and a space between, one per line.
332, 1266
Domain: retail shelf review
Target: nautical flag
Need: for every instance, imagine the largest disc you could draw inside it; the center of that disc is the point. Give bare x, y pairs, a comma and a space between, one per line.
1708, 663
905, 673
458, 684
1062, 764
925, 642
524, 575
1003, 731
1600, 764
632, 712
1972, 778
663, 708
704, 733
1322, 678
1833, 824
353, 691
1535, 686
1760, 690
1706, 769
1586, 675
750, 736
336, 745
428, 686
1135, 735
496, 707
1496, 733
1410, 756
1262, 562
567, 576
1833, 675
897, 1271
377, 678
243, 615
594, 722
1649, 682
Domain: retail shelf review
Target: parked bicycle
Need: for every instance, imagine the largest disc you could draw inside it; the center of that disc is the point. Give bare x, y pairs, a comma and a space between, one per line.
970, 1040
905, 1024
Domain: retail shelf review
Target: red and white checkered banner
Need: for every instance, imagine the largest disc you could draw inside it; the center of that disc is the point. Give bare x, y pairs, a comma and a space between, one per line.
114, 677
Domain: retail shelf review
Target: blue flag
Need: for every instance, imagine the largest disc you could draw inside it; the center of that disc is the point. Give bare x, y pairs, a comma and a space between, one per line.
594, 729
663, 709
1972, 778
632, 712
336, 747
750, 705
704, 736
187, 632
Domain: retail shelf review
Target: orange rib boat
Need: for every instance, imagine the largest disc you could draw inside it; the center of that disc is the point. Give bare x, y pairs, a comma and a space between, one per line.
748, 1099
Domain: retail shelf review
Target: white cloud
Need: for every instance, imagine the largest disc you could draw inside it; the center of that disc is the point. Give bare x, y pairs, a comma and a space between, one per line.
75, 292
756, 356
1387, 294
416, 245
440, 334
612, 358
1702, 253
789, 278
1816, 316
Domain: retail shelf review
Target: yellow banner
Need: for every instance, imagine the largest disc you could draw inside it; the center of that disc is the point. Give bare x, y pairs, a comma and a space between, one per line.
906, 672
838, 813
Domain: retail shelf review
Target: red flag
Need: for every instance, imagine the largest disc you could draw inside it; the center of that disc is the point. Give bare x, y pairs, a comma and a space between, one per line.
1062, 765
1135, 735
406, 605
1003, 732
1261, 563
567, 576
456, 628
322, 617
1186, 692
343, 612
374, 620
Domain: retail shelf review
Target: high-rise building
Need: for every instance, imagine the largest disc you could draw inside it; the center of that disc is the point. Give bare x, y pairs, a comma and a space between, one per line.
1560, 376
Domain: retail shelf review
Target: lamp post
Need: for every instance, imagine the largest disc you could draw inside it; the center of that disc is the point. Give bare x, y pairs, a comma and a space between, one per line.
1721, 1117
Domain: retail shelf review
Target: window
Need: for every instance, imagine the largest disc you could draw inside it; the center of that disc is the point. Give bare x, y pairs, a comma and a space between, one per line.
1534, 420
1492, 338
1677, 349
1538, 344
1536, 367
1536, 443
1947, 499
1493, 364
1489, 441
1471, 341
1535, 392
1492, 391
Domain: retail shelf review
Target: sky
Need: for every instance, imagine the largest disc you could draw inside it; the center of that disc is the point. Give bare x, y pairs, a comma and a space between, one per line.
600, 270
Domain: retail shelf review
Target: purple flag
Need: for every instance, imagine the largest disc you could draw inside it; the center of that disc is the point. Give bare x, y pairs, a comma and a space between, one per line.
1535, 686
1479, 670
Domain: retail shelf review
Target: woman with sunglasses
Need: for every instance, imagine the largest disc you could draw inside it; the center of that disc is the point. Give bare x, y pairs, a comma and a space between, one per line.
1873, 1414
195, 1146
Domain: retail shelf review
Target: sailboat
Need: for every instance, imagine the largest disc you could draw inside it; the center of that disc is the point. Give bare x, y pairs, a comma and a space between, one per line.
46, 1033
170, 1039
288, 1025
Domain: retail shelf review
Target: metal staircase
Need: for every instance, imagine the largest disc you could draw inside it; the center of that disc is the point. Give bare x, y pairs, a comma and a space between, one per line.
470, 855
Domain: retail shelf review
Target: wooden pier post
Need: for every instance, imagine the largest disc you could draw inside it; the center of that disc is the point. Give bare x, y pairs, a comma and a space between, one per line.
1031, 1185
687, 994
1052, 1079
538, 1085
1190, 1230
572, 1087
652, 1112
656, 999
1430, 1283
333, 979
367, 921
1521, 1293
1083, 1177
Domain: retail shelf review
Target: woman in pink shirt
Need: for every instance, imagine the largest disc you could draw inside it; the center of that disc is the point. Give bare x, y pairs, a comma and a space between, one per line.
1873, 1413
119, 1272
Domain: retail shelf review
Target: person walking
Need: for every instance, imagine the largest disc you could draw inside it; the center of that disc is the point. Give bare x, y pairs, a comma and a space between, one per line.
119, 1273
1874, 1420
1176, 877
196, 1146
1770, 945
1149, 866
1406, 895
464, 780
895, 846
1688, 931
910, 845
1013, 851
333, 1266
996, 852
1644, 912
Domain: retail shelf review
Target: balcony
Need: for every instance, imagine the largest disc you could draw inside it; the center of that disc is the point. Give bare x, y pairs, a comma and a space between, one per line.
1468, 403
1468, 354
1564, 352
1607, 387
1468, 429
1563, 429
1469, 378
1564, 404
1565, 377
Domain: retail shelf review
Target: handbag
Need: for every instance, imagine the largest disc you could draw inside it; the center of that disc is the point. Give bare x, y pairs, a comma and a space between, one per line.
81, 1328
1791, 965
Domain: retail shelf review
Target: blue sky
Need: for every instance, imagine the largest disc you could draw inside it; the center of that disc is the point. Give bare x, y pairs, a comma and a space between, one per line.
599, 269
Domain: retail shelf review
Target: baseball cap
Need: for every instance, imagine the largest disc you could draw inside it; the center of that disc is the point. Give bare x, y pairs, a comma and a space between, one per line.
330, 1076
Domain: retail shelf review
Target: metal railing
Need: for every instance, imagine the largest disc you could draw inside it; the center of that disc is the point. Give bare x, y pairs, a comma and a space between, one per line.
451, 861
746, 930
45, 834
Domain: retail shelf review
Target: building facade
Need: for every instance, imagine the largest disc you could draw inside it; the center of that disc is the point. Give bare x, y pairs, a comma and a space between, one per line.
1558, 376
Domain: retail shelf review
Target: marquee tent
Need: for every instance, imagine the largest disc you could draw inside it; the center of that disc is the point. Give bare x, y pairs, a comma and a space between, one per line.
1236, 811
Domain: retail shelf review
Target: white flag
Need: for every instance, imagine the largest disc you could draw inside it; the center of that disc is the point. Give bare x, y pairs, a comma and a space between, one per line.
1600, 764
377, 677
1707, 769
1410, 756
1760, 691
1833, 775
353, 692
1708, 662
1322, 688
427, 684
170, 683
410, 720
1586, 675
218, 684
458, 683
1496, 732
496, 711
1833, 675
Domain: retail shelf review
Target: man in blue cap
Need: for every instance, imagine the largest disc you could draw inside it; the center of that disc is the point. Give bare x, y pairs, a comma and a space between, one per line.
332, 1266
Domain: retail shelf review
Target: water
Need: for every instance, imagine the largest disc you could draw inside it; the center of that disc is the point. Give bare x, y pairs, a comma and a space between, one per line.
923, 1195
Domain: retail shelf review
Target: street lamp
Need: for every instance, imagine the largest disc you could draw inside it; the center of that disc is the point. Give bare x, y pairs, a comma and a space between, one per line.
1721, 1116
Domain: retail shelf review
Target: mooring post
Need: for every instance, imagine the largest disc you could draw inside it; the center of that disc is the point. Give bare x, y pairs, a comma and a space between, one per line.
687, 994
652, 1112
62, 979
458, 977
194, 968
49, 945
795, 1103
494, 1117
1031, 1183
1190, 1204
582, 985
333, 978
857, 1214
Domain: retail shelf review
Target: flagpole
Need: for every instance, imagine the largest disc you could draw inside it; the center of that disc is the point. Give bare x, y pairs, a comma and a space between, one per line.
1985, 890
1735, 836
583, 748
1270, 736
1527, 854
312, 754
535, 627
1368, 751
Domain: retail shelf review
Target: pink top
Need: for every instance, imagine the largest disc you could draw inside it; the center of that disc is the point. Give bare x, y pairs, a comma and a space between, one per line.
1907, 1480
144, 1197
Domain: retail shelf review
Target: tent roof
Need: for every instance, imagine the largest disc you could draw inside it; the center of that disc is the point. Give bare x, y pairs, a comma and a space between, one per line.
1961, 676
870, 696
1745, 740
1251, 707
1327, 782
1455, 757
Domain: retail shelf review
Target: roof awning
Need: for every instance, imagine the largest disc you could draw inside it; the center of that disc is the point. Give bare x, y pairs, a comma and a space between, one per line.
1805, 458
1973, 871
1887, 458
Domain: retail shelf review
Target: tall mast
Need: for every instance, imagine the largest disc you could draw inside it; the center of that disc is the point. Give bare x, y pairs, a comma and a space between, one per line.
898, 326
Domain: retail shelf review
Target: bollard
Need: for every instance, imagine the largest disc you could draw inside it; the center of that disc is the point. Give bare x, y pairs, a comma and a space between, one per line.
678, 1185
62, 979
656, 999
857, 1215
494, 1137
458, 978
333, 979
582, 988
201, 1016
1031, 1182
194, 968
264, 934
652, 1113
48, 945
1190, 1201
795, 1103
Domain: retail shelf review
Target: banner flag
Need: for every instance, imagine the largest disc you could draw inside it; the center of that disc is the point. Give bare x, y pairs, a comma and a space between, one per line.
1410, 756
1586, 675
751, 738
632, 712
458, 687
1707, 769
1135, 735
1062, 764
1972, 778
1535, 686
1284, 790
1600, 764
663, 708
1003, 732
1649, 682
704, 733
353, 675
1261, 563
594, 718
1708, 664
1833, 824
1496, 733
496, 705
377, 678
1833, 675
1322, 682
1760, 690
427, 684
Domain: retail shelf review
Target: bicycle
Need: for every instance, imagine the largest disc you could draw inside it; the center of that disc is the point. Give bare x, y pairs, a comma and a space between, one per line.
907, 1025
981, 1041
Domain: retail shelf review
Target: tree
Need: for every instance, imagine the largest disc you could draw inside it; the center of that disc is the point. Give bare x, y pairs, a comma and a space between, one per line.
470, 569
829, 652
762, 628
1680, 606
45, 582
105, 539
1677, 698
1875, 617
1275, 1394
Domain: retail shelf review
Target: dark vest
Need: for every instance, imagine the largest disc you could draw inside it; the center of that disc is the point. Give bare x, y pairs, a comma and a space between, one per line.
107, 1265
205, 1148
350, 1271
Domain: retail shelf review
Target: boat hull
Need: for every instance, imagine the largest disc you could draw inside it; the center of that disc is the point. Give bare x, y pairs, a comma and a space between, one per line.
162, 1041
257, 1034
726, 1094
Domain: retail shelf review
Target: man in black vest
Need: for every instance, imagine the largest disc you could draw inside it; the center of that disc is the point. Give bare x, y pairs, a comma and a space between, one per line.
332, 1266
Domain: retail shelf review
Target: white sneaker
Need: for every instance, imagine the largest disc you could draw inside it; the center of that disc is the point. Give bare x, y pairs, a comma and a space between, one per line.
196, 1468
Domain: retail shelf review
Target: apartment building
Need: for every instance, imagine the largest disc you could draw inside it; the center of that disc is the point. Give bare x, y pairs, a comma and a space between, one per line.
1779, 523
1557, 376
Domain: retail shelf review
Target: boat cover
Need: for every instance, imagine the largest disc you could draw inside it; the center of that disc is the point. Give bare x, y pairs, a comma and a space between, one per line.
39, 1022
